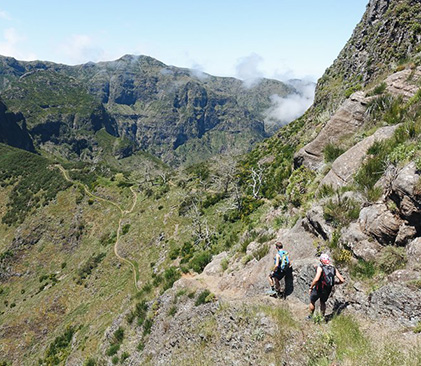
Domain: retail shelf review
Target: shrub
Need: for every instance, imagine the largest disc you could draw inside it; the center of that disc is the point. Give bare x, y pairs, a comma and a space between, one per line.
172, 311
392, 258
147, 326
113, 349
171, 275
90, 362
199, 261
331, 152
115, 360
363, 269
119, 335
124, 356
204, 297
341, 211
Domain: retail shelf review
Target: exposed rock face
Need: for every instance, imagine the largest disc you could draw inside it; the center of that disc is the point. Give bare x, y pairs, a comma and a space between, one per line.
174, 113
383, 37
316, 224
378, 222
406, 193
413, 251
354, 239
346, 165
346, 121
395, 300
404, 83
13, 130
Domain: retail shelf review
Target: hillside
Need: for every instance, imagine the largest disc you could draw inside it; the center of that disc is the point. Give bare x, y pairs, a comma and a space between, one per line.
125, 261
176, 114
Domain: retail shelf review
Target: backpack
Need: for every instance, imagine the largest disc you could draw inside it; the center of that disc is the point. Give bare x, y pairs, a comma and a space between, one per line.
284, 260
327, 279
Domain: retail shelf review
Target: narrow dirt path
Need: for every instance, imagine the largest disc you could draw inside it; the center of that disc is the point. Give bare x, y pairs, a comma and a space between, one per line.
122, 215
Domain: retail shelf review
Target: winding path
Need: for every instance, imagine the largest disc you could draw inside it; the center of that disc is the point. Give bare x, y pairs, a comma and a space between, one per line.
122, 214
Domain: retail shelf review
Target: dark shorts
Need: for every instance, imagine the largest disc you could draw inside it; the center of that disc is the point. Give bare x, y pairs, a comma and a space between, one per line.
322, 294
281, 274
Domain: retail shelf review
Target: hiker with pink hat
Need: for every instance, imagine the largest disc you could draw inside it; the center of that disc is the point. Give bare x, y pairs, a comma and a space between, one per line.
322, 284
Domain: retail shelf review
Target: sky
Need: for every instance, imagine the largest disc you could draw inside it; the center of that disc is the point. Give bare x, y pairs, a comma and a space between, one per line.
242, 38
246, 39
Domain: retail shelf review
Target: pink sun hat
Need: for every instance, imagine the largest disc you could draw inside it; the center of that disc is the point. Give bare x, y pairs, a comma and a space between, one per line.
324, 258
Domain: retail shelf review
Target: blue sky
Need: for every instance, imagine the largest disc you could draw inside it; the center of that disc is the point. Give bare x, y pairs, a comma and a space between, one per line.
243, 38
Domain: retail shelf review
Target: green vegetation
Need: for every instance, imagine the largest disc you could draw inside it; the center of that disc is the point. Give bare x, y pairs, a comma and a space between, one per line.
204, 297
34, 182
58, 351
331, 152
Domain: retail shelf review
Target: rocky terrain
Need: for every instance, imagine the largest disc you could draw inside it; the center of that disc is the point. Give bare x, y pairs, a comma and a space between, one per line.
154, 266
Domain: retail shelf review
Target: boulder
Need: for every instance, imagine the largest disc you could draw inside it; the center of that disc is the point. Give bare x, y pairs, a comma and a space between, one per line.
404, 83
405, 234
354, 239
413, 251
346, 121
298, 241
377, 221
407, 196
345, 166
396, 301
214, 268
316, 223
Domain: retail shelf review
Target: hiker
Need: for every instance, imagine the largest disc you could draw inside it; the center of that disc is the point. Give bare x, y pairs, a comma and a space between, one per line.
282, 269
322, 284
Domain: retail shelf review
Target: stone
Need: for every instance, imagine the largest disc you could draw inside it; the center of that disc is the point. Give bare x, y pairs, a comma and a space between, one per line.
345, 166
214, 268
413, 252
396, 301
346, 121
377, 221
405, 234
317, 224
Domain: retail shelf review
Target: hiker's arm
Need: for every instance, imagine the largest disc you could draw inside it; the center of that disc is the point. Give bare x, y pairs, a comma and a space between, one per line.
316, 278
337, 274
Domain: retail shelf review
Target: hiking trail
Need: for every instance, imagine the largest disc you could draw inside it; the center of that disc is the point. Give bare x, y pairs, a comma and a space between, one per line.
122, 215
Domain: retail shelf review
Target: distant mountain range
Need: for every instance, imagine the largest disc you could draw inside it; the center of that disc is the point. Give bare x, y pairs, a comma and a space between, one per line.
176, 114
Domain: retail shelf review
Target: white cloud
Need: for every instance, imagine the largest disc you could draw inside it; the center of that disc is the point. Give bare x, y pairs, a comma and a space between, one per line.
80, 48
291, 107
5, 15
247, 69
197, 71
11, 45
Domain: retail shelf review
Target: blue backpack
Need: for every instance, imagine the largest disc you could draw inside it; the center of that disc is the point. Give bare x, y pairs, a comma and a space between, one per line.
283, 261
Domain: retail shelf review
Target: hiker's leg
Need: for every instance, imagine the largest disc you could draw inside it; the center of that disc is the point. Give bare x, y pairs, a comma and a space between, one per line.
270, 278
322, 307
277, 284
311, 307
314, 296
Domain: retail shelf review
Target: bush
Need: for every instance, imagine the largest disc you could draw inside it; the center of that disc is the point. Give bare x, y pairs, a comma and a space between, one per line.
204, 297
331, 152
341, 211
363, 270
119, 335
90, 362
171, 275
199, 261
392, 258
113, 349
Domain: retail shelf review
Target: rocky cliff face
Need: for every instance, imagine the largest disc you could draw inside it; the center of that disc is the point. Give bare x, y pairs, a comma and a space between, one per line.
13, 130
174, 113
388, 34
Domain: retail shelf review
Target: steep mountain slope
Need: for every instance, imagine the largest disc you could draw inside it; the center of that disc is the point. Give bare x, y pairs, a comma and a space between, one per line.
161, 109
146, 267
